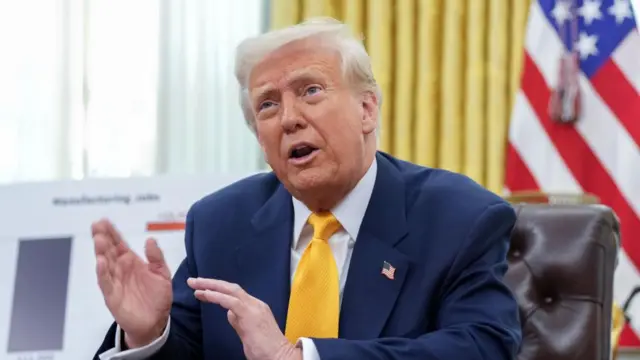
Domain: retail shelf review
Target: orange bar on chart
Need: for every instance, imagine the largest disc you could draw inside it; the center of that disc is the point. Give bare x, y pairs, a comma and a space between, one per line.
165, 226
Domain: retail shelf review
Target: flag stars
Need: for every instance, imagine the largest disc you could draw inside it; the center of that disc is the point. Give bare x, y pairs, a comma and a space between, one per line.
587, 45
621, 10
590, 11
561, 11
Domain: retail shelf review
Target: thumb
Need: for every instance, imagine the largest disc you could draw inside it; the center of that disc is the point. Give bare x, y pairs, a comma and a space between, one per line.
155, 257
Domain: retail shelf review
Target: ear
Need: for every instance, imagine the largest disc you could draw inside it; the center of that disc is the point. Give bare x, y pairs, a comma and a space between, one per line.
369, 112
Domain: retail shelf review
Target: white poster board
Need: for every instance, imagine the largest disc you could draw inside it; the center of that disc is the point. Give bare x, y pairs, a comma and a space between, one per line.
56, 311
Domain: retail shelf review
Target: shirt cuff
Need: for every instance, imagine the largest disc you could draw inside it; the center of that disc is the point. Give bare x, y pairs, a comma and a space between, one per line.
136, 354
309, 350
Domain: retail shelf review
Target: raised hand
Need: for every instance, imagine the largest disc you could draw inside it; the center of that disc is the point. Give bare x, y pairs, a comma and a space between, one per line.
138, 293
251, 318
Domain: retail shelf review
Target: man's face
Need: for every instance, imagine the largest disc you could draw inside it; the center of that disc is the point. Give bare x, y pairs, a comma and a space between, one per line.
310, 122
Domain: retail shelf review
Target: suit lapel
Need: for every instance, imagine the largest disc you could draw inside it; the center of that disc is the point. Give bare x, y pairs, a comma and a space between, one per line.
264, 258
369, 295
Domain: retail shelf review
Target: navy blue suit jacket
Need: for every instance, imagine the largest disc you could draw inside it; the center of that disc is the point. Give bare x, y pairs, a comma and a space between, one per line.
446, 236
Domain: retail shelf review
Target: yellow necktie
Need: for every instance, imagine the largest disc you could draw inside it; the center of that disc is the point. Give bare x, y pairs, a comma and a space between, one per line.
314, 305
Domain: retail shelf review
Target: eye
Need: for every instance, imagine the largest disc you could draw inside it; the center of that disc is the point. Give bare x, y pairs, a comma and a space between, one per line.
312, 90
265, 105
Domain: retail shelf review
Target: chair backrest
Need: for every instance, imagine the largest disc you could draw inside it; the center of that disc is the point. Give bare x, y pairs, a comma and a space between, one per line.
536, 197
561, 266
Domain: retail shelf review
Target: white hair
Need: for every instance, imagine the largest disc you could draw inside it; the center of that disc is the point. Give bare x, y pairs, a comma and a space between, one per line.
355, 62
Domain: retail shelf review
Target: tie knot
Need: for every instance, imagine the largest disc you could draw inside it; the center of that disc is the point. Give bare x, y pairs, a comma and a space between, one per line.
324, 225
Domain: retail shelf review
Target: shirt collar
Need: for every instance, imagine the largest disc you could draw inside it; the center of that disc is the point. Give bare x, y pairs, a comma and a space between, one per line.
349, 212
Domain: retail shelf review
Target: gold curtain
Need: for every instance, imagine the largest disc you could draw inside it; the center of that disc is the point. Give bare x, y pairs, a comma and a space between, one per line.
448, 69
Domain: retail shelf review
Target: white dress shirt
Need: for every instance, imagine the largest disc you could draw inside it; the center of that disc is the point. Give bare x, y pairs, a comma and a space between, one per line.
349, 213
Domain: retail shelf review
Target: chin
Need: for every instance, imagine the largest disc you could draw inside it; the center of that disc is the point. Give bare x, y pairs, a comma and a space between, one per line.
312, 178
309, 179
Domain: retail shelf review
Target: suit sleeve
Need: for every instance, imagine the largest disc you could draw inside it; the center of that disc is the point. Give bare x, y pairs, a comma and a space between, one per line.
185, 332
478, 317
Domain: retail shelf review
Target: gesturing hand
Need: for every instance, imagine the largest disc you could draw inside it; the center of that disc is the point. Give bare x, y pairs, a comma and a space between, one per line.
250, 317
138, 294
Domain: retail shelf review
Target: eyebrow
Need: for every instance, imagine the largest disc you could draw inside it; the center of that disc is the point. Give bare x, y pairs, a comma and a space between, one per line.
298, 76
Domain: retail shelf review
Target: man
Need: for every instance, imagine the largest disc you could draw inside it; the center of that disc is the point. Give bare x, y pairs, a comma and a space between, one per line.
342, 252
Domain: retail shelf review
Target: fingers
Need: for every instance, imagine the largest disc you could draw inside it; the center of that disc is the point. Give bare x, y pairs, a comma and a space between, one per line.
105, 281
226, 301
101, 244
121, 245
233, 319
99, 227
111, 230
101, 239
105, 228
233, 298
228, 295
104, 246
219, 286
153, 253
105, 252
155, 257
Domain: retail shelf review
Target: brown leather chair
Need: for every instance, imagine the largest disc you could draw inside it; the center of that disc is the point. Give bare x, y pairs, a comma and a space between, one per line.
561, 265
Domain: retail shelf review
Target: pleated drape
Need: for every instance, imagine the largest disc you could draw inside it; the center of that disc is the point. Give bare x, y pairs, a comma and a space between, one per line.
449, 71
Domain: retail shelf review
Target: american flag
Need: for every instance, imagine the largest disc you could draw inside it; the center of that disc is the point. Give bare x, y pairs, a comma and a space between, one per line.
599, 153
388, 270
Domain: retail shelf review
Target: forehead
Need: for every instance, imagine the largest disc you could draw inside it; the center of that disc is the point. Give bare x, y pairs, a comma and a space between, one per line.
302, 58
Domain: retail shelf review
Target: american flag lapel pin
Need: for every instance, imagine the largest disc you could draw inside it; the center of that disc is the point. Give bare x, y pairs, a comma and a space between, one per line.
388, 270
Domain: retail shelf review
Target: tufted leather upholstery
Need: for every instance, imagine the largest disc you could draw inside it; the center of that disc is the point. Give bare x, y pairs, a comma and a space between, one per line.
561, 265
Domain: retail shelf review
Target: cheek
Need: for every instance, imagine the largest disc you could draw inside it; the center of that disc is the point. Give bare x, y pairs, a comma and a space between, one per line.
268, 138
267, 142
343, 139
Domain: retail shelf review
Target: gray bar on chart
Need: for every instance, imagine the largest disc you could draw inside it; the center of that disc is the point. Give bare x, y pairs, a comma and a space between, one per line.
40, 295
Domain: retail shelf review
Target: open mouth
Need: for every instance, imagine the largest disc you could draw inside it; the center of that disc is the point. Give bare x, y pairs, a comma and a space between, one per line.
302, 152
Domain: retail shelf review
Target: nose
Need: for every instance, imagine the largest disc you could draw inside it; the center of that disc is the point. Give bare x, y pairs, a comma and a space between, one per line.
292, 119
